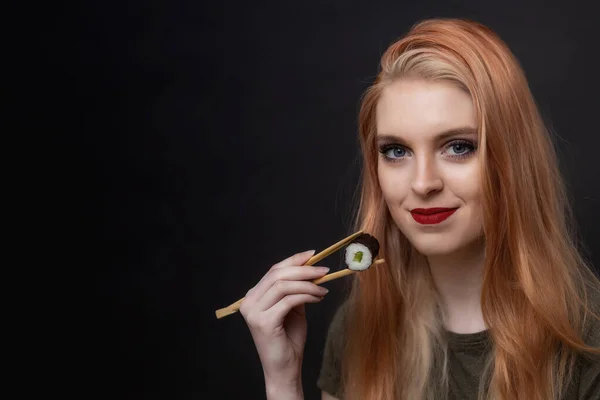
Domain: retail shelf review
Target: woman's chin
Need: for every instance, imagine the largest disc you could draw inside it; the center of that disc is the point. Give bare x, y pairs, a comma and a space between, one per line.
436, 245
445, 246
434, 251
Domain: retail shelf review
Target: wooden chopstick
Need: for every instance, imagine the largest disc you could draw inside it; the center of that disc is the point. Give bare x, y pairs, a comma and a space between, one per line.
332, 249
234, 307
341, 273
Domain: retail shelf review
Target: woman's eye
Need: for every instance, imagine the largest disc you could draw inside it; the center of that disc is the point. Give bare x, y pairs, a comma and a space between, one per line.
459, 148
395, 152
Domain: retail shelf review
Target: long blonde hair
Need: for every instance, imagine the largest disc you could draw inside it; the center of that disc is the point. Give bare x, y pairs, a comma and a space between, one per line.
536, 282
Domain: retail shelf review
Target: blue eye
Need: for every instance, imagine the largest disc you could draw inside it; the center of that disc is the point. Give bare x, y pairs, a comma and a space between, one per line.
461, 148
456, 149
396, 152
393, 152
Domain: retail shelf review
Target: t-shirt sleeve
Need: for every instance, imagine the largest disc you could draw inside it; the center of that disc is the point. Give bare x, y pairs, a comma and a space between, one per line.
331, 368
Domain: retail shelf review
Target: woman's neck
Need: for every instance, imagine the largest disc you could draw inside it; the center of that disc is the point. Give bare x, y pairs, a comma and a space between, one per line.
458, 279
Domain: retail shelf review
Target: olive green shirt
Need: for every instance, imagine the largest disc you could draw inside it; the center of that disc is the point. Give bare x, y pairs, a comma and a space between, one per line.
467, 354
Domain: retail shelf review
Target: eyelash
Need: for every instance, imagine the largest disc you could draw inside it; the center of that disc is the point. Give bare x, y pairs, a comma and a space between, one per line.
384, 148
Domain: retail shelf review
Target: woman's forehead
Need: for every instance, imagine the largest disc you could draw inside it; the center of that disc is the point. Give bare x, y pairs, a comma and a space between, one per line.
423, 108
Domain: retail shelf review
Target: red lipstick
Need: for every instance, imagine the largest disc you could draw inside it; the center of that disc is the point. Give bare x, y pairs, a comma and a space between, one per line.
428, 216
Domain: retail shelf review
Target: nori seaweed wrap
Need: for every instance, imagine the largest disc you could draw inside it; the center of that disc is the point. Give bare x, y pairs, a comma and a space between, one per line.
361, 252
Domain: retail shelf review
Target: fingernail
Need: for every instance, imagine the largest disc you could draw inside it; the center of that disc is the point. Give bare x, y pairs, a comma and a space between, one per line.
323, 270
309, 252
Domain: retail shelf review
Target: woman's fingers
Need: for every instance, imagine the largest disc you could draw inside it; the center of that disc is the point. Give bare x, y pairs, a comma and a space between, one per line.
283, 288
296, 259
249, 308
290, 273
279, 311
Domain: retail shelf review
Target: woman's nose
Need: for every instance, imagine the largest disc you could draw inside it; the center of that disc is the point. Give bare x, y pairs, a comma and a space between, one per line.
427, 178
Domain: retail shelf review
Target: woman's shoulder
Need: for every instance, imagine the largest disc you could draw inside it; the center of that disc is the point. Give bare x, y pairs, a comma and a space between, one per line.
588, 386
331, 369
591, 326
336, 332
339, 317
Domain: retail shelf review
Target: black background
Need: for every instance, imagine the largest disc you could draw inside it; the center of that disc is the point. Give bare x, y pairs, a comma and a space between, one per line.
207, 141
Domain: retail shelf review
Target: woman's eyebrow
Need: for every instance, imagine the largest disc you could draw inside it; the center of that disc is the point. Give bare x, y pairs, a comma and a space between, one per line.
439, 137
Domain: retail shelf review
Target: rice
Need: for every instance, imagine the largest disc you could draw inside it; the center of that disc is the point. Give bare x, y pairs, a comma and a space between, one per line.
361, 253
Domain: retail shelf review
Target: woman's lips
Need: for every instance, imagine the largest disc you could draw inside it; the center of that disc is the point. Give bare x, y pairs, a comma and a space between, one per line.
429, 216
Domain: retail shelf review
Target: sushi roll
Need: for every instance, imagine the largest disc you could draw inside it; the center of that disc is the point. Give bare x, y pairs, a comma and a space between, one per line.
361, 252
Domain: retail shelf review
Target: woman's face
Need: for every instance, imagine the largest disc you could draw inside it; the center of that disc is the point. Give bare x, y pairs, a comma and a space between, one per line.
427, 140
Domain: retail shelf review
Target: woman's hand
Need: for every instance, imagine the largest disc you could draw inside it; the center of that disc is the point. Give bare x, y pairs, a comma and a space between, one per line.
274, 312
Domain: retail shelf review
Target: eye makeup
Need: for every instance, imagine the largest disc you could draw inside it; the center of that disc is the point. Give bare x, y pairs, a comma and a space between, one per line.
393, 151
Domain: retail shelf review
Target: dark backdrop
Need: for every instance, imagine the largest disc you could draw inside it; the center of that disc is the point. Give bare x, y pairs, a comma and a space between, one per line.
214, 139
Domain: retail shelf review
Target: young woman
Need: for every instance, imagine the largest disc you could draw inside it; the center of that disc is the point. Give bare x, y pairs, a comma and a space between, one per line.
483, 294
